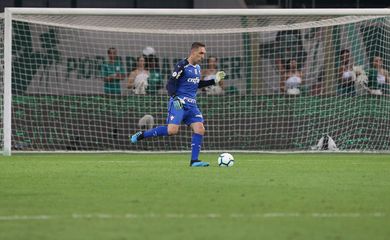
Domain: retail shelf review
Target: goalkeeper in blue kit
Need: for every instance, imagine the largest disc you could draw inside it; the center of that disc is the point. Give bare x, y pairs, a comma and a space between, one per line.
182, 87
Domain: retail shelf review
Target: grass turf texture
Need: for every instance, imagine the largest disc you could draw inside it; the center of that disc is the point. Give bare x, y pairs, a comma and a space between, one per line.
157, 196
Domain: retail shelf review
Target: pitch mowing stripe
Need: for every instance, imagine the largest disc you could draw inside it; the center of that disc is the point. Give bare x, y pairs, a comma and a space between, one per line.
194, 215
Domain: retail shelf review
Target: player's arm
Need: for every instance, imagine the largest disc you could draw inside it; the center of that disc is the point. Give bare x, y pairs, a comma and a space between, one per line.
130, 80
174, 78
218, 77
387, 76
173, 83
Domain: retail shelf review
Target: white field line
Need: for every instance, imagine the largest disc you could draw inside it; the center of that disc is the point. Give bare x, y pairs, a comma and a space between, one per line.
26, 217
118, 161
369, 162
247, 160
314, 215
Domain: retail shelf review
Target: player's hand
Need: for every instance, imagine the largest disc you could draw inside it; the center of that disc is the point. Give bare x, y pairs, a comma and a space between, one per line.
178, 103
219, 76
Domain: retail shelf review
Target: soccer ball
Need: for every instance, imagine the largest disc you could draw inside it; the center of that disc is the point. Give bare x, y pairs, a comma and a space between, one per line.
225, 160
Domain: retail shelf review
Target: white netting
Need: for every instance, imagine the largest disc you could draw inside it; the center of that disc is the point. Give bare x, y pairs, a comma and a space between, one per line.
1, 76
185, 24
288, 83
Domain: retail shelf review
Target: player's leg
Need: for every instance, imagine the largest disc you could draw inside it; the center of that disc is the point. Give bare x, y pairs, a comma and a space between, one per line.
170, 129
173, 129
196, 123
196, 144
154, 132
175, 116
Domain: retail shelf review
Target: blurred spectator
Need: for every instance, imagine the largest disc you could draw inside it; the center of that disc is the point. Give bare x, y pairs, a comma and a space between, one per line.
155, 81
150, 55
378, 77
288, 45
112, 72
346, 76
292, 78
138, 79
317, 88
148, 51
209, 73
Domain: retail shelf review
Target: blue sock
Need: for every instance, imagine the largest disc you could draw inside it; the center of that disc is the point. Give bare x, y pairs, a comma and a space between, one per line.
196, 145
158, 131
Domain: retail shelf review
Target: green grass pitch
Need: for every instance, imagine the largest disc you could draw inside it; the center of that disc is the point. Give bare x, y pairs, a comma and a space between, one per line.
157, 196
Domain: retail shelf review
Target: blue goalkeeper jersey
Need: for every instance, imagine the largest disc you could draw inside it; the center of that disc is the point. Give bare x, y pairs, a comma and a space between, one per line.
187, 84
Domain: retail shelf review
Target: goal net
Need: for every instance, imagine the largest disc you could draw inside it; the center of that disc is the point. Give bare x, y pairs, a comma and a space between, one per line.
291, 78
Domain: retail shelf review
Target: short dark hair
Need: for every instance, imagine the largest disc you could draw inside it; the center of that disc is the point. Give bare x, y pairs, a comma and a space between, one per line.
373, 59
110, 49
288, 62
344, 51
197, 45
138, 58
210, 57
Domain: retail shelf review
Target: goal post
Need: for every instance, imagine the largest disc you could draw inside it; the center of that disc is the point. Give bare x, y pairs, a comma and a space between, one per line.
293, 76
7, 96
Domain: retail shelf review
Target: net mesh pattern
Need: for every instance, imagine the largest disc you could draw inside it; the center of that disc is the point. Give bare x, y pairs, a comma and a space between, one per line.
290, 81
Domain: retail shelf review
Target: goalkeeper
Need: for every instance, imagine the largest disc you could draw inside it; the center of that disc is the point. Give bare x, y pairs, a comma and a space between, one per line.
182, 87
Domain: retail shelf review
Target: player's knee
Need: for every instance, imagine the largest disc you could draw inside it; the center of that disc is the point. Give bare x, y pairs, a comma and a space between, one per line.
200, 130
173, 130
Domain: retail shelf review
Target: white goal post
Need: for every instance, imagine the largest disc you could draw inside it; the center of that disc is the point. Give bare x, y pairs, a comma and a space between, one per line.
287, 84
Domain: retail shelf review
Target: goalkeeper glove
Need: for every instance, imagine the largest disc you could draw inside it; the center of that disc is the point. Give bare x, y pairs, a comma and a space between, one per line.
178, 103
219, 76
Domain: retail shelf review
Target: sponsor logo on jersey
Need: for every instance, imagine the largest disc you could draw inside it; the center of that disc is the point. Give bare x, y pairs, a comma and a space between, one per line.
190, 100
193, 80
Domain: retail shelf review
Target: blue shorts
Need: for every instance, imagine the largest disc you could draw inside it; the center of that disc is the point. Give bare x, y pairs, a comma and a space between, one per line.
189, 114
